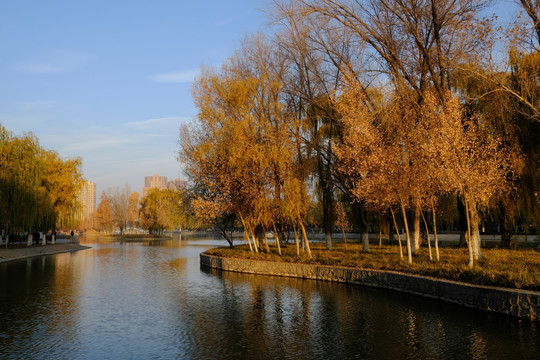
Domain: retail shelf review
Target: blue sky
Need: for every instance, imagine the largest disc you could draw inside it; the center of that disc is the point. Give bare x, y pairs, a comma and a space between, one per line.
109, 81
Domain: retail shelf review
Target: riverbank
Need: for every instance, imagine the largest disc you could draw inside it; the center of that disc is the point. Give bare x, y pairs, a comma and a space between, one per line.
517, 268
137, 237
518, 303
515, 271
14, 253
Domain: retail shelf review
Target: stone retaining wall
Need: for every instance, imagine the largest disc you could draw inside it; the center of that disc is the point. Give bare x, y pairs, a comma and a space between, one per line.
520, 303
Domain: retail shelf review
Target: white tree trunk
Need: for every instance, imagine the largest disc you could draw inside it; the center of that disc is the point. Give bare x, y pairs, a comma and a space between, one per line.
328, 240
306, 242
475, 233
365, 241
43, 239
29, 240
415, 245
53, 239
409, 253
469, 240
397, 232
296, 240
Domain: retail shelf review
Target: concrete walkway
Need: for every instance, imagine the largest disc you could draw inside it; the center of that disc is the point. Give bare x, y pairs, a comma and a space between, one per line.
14, 252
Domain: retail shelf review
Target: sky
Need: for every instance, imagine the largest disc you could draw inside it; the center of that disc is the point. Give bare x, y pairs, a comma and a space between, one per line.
110, 81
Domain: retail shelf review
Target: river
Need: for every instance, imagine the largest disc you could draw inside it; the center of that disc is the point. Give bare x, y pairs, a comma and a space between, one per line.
152, 300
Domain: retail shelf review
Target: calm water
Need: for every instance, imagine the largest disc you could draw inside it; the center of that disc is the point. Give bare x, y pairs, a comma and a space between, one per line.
153, 301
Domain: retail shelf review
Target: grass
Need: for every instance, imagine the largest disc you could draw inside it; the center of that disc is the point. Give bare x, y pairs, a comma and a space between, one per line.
517, 268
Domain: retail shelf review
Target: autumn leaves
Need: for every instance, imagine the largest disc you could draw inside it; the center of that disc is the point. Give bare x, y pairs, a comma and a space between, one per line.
38, 188
406, 157
384, 104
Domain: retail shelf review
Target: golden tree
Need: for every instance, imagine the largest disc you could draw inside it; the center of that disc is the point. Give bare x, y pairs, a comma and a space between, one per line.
37, 187
468, 157
375, 157
239, 153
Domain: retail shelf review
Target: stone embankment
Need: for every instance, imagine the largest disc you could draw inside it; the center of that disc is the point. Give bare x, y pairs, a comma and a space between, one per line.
519, 303
18, 253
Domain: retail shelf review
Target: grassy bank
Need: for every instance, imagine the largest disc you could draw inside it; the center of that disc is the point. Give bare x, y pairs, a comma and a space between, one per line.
517, 268
135, 237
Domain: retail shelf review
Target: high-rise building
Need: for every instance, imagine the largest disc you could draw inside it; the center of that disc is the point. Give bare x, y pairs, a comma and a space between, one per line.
87, 199
161, 182
176, 184
155, 181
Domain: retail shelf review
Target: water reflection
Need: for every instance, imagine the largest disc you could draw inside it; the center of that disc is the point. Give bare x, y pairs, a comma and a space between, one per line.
152, 300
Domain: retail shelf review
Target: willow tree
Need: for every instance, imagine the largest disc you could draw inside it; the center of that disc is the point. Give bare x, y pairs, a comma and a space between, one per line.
37, 186
314, 55
21, 170
159, 210
239, 152
522, 86
62, 179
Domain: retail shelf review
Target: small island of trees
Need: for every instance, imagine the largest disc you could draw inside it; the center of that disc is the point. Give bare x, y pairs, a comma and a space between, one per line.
384, 114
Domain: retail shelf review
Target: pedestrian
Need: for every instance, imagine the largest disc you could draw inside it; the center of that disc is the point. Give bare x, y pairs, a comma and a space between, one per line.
71, 239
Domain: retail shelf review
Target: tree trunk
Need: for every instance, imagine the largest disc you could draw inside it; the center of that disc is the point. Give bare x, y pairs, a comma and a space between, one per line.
397, 232
415, 245
327, 185
476, 242
504, 222
359, 212
462, 222
296, 240
435, 231
327, 203
327, 218
469, 240
266, 243
365, 241
306, 242
246, 233
427, 235
253, 239
407, 233
277, 238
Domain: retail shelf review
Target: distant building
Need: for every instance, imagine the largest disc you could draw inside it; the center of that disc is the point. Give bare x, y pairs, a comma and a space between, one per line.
155, 181
161, 182
176, 184
87, 199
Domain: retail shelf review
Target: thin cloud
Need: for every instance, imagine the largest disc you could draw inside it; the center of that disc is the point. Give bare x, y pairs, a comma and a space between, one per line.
181, 76
164, 122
